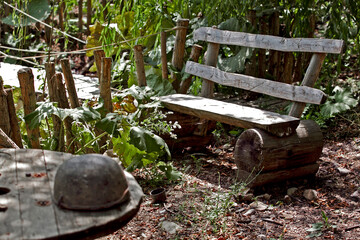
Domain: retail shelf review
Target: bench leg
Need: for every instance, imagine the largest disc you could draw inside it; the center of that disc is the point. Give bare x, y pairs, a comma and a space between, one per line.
267, 158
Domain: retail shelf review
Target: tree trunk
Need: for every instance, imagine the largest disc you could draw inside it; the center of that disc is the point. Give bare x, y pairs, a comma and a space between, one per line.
258, 152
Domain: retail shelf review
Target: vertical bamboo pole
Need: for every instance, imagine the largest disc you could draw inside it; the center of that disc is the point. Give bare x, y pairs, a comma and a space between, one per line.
63, 103
26, 79
105, 10
288, 68
194, 56
105, 91
61, 14
88, 15
70, 84
163, 56
80, 23
15, 133
4, 119
250, 68
140, 69
311, 75
179, 50
274, 55
98, 54
262, 52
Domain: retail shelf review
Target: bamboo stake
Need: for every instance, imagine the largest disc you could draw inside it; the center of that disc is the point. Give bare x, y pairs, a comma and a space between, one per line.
88, 15
61, 14
4, 119
5, 141
140, 69
105, 91
80, 23
70, 84
26, 79
288, 67
262, 52
98, 54
163, 56
63, 103
105, 10
274, 55
311, 75
15, 133
179, 50
194, 56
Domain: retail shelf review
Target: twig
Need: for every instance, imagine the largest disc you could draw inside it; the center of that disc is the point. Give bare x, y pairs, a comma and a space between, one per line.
351, 228
271, 221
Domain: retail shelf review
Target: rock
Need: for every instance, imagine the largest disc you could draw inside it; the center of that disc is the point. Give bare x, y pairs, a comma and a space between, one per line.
170, 227
288, 216
310, 194
287, 199
265, 196
247, 197
291, 191
249, 212
260, 206
261, 236
343, 171
355, 195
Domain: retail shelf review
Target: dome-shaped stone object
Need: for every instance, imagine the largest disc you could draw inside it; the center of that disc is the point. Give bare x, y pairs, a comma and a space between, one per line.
90, 182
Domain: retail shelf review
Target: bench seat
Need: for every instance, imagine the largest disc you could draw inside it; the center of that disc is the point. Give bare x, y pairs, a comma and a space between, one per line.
233, 114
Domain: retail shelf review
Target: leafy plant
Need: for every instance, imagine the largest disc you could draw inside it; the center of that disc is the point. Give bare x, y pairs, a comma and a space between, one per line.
318, 228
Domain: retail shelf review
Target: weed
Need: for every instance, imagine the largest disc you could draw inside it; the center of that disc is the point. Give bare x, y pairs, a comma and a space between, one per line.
318, 228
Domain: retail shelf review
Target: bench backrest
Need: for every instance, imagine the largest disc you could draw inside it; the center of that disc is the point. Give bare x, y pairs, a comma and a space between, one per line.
300, 95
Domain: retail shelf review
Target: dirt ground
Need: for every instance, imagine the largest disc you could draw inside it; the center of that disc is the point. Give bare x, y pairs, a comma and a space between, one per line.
205, 203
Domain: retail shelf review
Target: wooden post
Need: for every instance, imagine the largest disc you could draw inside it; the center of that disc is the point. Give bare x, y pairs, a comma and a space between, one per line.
140, 69
4, 119
61, 14
105, 91
163, 56
179, 50
278, 158
5, 141
274, 55
288, 68
70, 84
15, 133
262, 52
105, 10
88, 15
311, 75
207, 89
250, 68
26, 79
63, 103
80, 23
194, 56
98, 54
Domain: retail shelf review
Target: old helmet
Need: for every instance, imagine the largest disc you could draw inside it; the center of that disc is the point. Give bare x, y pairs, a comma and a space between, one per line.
90, 182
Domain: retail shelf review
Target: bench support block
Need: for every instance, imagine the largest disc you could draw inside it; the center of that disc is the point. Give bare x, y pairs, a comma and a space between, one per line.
268, 158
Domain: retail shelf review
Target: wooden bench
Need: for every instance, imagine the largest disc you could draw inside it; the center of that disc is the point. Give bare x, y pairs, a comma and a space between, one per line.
278, 146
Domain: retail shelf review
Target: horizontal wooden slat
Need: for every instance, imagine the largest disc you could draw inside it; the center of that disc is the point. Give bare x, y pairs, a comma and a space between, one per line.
268, 42
276, 89
233, 114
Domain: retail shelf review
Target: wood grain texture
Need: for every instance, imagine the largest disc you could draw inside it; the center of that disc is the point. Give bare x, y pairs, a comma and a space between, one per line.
4, 110
98, 55
236, 115
70, 84
311, 75
207, 88
105, 83
15, 133
259, 85
26, 79
6, 141
268, 42
31, 213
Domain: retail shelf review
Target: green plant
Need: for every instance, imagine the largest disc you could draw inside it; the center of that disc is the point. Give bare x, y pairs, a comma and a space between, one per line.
318, 228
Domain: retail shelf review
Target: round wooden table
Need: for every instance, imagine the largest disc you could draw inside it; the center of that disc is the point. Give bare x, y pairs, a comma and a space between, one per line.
28, 212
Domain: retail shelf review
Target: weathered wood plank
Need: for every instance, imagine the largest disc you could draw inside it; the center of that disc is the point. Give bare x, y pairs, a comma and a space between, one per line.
10, 227
268, 42
232, 114
259, 85
36, 211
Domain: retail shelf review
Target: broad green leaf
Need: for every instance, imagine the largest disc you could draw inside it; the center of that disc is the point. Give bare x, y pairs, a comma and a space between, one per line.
235, 64
39, 9
160, 86
341, 101
44, 110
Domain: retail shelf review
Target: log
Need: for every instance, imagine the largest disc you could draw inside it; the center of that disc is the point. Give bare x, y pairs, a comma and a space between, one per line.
164, 70
179, 50
26, 79
5, 141
15, 133
194, 56
105, 82
257, 151
140, 69
4, 119
70, 83
311, 75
